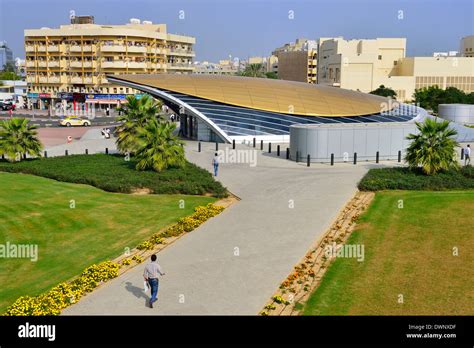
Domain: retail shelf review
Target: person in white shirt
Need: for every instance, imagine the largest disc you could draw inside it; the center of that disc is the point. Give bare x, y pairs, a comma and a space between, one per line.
150, 274
467, 155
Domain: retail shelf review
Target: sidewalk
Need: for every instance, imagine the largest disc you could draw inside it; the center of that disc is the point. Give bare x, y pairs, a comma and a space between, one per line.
234, 262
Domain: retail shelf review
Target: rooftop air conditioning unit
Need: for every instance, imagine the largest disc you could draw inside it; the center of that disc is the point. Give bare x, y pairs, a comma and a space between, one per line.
147, 22
134, 21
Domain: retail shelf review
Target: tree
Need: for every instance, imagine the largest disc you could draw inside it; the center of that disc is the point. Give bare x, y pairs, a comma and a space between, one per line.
384, 92
254, 70
9, 67
433, 148
134, 115
158, 148
271, 75
430, 97
19, 137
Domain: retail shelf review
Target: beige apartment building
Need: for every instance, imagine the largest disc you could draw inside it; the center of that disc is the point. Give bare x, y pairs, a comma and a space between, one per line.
364, 65
71, 62
467, 46
270, 64
297, 61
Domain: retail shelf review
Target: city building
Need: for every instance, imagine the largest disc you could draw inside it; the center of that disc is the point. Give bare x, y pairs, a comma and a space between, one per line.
6, 54
70, 63
225, 108
214, 68
20, 67
17, 89
270, 64
297, 61
364, 65
467, 46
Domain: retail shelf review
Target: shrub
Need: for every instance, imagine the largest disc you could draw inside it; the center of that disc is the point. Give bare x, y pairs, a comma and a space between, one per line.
113, 174
414, 179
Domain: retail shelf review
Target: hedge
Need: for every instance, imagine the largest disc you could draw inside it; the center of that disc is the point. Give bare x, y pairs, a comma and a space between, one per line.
114, 174
403, 178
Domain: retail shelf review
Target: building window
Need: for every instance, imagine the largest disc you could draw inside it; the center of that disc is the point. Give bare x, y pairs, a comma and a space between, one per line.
380, 57
395, 62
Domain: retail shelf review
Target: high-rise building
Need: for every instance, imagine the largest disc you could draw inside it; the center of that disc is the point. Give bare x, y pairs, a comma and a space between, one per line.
364, 65
297, 60
71, 62
6, 54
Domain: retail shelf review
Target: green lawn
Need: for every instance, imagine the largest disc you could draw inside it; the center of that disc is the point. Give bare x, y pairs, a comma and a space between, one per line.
408, 251
35, 210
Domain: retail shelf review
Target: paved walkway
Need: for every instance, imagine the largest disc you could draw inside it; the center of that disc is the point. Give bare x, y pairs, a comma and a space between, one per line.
203, 274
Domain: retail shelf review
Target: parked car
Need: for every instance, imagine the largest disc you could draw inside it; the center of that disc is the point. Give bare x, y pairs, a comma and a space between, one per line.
74, 121
7, 105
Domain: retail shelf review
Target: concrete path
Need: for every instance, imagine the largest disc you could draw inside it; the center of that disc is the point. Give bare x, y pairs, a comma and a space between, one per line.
234, 262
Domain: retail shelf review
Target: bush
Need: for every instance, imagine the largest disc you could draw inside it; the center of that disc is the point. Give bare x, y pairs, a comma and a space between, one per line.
414, 179
113, 174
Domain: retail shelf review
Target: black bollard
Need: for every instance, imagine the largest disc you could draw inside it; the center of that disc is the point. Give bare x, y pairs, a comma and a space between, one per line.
199, 147
297, 155
287, 153
377, 157
217, 146
106, 150
308, 160
332, 159
254, 142
278, 150
87, 151
462, 154
3, 156
46, 154
261, 145
66, 152
269, 147
24, 156
233, 144
355, 157
399, 156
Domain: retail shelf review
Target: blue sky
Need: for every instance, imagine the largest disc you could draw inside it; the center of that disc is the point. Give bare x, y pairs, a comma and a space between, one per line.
255, 27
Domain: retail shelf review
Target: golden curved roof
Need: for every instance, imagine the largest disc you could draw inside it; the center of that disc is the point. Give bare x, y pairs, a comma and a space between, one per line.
288, 97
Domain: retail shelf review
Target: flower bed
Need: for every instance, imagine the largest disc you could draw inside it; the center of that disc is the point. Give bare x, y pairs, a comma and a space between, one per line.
65, 294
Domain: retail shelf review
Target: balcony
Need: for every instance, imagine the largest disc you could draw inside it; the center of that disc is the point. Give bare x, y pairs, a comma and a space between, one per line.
29, 48
31, 79
49, 79
41, 48
53, 48
79, 48
53, 63
30, 63
136, 65
113, 48
42, 63
158, 51
137, 49
80, 64
83, 80
181, 52
114, 64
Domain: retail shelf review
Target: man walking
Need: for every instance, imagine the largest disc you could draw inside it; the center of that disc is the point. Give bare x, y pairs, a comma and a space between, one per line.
215, 163
467, 155
152, 270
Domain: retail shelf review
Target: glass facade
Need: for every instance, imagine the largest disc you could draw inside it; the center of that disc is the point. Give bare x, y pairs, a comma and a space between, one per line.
238, 121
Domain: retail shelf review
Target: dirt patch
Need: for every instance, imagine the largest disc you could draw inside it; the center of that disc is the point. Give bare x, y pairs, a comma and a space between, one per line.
141, 191
297, 287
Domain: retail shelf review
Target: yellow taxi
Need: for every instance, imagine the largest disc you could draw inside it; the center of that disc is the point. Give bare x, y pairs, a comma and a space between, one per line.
74, 121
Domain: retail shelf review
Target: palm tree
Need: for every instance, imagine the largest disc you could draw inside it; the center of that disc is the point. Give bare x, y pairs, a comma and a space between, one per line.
17, 138
254, 70
433, 148
133, 116
158, 148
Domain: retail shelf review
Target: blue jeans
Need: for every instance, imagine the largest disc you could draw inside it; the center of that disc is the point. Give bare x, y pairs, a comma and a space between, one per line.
216, 167
154, 289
